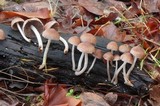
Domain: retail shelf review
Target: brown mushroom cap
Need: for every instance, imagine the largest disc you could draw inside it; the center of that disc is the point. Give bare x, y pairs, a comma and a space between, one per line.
35, 22
51, 34
98, 53
74, 40
112, 46
138, 52
108, 56
86, 47
51, 24
124, 48
15, 21
127, 57
116, 57
2, 35
88, 37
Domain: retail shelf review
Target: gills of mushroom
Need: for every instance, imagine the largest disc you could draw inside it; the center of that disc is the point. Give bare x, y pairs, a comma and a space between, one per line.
74, 40
86, 37
138, 53
50, 34
54, 24
108, 57
2, 35
34, 27
86, 48
97, 55
126, 58
16, 24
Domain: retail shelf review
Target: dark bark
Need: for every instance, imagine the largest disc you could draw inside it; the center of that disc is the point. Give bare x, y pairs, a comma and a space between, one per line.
14, 50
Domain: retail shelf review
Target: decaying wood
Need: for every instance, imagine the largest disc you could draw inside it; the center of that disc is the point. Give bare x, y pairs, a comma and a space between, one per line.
14, 51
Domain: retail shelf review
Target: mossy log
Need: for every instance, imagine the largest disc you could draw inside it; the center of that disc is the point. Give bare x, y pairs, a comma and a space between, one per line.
14, 51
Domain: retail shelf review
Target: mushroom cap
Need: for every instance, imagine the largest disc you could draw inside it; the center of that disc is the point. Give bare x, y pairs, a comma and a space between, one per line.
74, 40
116, 57
2, 35
112, 46
51, 24
86, 47
127, 57
124, 48
88, 37
98, 53
51, 34
35, 22
15, 21
138, 52
108, 56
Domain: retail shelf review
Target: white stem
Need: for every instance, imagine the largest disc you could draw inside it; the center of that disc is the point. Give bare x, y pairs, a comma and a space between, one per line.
116, 65
80, 62
38, 36
108, 72
73, 59
84, 67
22, 33
65, 44
131, 68
93, 62
126, 80
45, 55
115, 77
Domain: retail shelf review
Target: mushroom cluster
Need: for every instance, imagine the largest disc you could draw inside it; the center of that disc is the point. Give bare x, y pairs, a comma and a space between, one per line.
34, 28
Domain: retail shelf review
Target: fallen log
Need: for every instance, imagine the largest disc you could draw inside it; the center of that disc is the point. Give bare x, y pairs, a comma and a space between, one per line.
14, 51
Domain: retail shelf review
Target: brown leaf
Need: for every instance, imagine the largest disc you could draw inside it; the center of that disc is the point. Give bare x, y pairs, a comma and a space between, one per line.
155, 95
42, 14
92, 6
151, 5
92, 99
111, 98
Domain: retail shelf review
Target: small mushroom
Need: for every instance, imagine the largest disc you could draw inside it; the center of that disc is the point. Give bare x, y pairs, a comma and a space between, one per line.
108, 57
124, 48
86, 48
16, 24
97, 55
50, 34
112, 46
138, 53
86, 37
34, 27
116, 58
54, 24
74, 40
126, 58
2, 35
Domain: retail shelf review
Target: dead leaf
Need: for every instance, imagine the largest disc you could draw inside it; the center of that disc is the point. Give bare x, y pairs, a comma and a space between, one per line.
154, 95
111, 98
92, 6
92, 99
151, 5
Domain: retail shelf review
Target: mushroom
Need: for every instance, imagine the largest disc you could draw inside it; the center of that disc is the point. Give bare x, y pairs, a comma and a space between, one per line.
54, 24
112, 46
138, 53
86, 48
86, 37
50, 34
124, 48
34, 27
74, 40
97, 55
126, 58
108, 57
16, 24
2, 35
116, 58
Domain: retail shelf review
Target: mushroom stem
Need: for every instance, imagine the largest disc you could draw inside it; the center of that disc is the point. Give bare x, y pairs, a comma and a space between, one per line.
40, 43
80, 62
65, 44
73, 59
108, 73
115, 77
22, 33
131, 68
93, 62
45, 55
84, 67
126, 80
